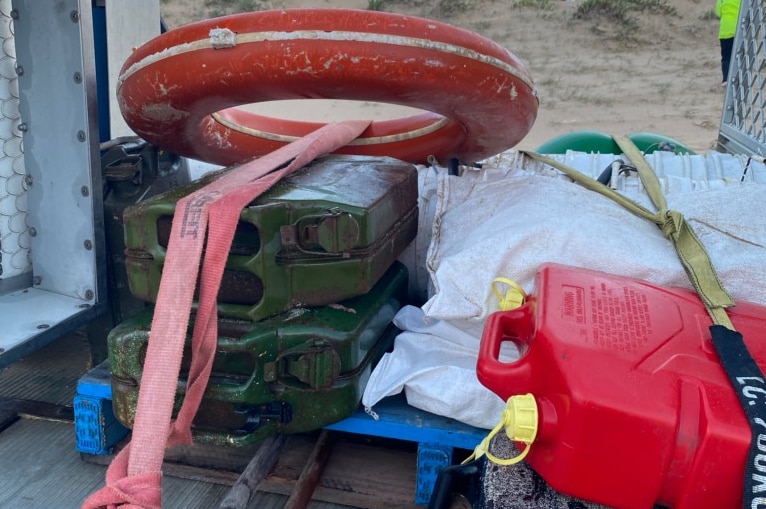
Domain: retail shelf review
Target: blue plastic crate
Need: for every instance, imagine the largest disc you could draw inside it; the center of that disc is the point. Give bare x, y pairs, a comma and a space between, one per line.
96, 427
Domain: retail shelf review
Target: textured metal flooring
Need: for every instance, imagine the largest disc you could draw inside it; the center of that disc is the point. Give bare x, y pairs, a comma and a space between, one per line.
50, 374
40, 467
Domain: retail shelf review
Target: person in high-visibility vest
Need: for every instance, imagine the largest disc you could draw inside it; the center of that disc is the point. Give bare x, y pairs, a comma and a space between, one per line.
728, 12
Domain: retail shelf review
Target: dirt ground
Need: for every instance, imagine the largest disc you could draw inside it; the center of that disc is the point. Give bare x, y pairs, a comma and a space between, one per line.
661, 75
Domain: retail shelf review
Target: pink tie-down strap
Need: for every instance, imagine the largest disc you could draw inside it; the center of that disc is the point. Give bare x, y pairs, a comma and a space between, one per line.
134, 478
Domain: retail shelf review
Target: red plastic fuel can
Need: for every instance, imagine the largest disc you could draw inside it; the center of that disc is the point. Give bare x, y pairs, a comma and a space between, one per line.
635, 409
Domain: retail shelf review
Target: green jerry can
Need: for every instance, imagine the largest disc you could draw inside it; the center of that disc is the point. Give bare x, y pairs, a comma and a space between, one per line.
326, 233
291, 373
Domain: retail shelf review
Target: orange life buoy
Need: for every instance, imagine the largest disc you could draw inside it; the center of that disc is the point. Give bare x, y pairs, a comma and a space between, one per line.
181, 90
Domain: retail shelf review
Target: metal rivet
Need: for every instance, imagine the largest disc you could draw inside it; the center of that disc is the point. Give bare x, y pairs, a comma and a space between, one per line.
23, 127
15, 13
28, 180
43, 326
74, 16
77, 77
19, 70
33, 232
88, 294
37, 280
81, 136
88, 245
85, 191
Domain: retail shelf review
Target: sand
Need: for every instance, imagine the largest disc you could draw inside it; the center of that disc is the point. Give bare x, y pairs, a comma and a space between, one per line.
661, 75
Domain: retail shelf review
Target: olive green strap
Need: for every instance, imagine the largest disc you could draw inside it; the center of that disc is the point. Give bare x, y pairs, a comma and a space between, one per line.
690, 250
595, 185
645, 172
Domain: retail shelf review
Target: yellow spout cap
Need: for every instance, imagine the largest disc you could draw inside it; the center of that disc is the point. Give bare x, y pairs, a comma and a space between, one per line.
521, 420
513, 297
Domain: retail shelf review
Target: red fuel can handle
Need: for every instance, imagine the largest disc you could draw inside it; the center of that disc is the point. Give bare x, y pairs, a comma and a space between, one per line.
515, 326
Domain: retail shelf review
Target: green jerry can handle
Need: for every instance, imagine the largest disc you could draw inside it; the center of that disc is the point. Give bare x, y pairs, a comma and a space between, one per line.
334, 232
315, 364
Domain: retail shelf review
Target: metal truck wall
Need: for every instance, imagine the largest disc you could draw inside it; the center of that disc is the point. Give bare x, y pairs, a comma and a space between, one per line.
56, 84
743, 126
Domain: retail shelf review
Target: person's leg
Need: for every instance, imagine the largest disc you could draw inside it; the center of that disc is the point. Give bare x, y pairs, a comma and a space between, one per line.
726, 48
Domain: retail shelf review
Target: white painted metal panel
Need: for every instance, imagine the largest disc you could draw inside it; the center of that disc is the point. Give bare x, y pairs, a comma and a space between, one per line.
26, 313
55, 66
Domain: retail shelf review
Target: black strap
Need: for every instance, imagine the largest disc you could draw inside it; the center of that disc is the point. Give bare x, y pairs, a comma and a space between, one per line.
749, 384
465, 479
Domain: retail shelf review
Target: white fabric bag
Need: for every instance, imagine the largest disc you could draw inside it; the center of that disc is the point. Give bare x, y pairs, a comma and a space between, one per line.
508, 219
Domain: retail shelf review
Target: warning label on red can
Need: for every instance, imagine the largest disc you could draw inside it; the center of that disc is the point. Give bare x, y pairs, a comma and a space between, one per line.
620, 317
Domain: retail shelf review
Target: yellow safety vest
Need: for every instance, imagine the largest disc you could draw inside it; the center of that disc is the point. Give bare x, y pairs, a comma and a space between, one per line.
728, 11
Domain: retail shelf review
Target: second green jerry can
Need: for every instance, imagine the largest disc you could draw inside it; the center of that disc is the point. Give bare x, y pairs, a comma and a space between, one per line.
291, 373
326, 233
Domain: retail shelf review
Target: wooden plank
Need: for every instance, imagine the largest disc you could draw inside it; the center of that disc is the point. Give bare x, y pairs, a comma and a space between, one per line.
360, 475
363, 473
179, 470
231, 459
307, 481
12, 409
258, 468
202, 456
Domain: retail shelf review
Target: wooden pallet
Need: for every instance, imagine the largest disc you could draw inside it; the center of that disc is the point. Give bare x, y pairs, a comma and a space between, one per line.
358, 473
389, 462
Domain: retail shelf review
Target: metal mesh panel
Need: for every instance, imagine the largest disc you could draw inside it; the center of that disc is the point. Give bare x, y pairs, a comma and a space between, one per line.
743, 128
14, 232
